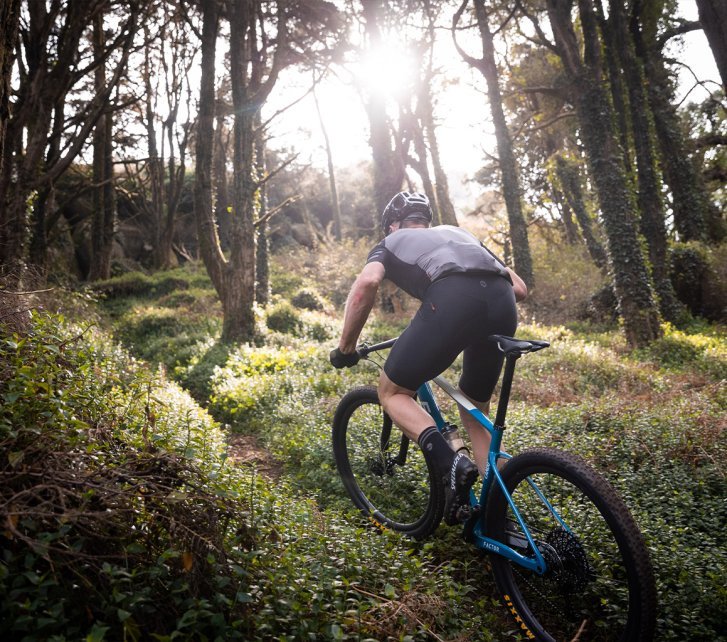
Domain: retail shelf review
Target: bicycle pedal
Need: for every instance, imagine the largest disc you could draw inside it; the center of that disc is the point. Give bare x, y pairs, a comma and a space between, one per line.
466, 512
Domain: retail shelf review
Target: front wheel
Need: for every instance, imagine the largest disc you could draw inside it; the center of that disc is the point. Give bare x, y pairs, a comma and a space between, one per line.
599, 584
386, 476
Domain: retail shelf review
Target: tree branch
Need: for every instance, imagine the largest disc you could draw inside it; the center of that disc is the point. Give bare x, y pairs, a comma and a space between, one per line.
473, 62
277, 170
681, 29
270, 213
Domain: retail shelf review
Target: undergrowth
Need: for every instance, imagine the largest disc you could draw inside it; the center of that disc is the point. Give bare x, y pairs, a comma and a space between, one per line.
287, 558
124, 521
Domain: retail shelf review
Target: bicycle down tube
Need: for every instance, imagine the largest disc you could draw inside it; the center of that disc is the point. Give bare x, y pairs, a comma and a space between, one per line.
427, 400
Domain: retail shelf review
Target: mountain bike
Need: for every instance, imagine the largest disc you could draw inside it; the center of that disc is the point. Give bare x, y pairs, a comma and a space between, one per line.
566, 554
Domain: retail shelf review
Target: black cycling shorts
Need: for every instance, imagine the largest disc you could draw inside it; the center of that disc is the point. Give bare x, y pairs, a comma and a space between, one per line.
456, 316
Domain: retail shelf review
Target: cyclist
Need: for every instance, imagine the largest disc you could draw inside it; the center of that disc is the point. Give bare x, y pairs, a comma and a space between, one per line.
466, 294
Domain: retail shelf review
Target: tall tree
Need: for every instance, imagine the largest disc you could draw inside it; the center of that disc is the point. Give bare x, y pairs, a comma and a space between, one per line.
41, 140
389, 169
570, 180
713, 16
690, 204
104, 212
487, 65
650, 202
9, 18
595, 116
333, 187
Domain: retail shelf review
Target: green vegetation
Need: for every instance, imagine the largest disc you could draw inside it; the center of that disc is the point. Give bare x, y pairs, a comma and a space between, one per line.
124, 518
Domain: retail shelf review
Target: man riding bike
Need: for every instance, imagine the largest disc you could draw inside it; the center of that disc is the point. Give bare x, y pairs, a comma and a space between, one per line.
466, 294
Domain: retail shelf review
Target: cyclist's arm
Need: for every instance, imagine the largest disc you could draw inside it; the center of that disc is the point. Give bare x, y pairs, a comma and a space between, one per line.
518, 285
360, 300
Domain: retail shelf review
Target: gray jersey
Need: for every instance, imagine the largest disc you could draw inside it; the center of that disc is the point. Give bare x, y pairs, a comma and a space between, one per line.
416, 257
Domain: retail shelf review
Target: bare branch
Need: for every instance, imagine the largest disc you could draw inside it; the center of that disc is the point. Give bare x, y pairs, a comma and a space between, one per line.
276, 171
270, 213
681, 29
473, 62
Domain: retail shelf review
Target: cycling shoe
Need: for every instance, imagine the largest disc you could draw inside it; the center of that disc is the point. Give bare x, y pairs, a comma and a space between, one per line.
457, 484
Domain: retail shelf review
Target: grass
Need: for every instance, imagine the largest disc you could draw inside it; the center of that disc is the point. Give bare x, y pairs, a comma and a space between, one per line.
651, 420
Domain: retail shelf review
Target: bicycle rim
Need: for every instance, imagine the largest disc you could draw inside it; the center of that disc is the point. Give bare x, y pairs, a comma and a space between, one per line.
600, 585
387, 477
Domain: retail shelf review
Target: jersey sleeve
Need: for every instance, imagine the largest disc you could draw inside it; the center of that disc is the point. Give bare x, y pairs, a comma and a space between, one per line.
378, 254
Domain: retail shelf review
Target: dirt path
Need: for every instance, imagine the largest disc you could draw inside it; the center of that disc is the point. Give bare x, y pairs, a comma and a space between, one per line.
245, 450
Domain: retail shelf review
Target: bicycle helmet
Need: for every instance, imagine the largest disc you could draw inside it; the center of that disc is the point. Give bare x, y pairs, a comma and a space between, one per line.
406, 205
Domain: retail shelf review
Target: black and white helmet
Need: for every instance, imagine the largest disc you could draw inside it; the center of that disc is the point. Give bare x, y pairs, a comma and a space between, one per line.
406, 205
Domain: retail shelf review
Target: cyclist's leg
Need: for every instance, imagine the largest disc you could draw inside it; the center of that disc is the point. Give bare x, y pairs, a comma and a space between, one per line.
479, 437
399, 404
482, 361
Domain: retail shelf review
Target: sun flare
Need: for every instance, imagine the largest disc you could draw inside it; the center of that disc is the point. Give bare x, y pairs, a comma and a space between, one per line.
387, 70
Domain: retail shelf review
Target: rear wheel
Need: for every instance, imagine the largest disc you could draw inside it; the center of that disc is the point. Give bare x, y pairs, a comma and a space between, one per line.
599, 584
386, 476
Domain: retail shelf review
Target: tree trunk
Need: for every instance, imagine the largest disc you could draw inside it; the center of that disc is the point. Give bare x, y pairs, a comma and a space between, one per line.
335, 204
570, 182
596, 117
447, 214
713, 16
262, 256
9, 18
102, 224
566, 215
508, 166
239, 321
652, 221
690, 202
420, 163
222, 196
614, 63
209, 244
389, 168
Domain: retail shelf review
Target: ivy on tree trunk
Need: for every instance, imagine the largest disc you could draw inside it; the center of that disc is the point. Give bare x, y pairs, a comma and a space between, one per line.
596, 117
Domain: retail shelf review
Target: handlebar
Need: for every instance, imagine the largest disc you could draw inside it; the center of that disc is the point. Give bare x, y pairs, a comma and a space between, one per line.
364, 349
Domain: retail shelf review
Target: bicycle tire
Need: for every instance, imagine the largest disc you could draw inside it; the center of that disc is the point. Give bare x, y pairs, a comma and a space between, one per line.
403, 495
600, 583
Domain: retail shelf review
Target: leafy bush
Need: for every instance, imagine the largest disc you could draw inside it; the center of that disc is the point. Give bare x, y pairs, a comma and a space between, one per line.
698, 274
252, 383
124, 522
684, 350
111, 521
307, 299
284, 318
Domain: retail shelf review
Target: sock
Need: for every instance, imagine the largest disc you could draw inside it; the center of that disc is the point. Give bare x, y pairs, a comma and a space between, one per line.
432, 441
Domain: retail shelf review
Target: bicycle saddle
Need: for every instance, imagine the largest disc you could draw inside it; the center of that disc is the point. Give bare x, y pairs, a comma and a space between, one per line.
511, 345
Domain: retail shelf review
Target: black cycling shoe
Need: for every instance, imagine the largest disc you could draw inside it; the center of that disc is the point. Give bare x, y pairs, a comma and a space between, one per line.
457, 484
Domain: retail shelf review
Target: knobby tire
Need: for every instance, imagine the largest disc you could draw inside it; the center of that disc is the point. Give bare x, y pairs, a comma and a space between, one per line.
601, 584
395, 492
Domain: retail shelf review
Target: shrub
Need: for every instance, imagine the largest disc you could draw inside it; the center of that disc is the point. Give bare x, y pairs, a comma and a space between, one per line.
684, 350
284, 318
252, 382
112, 522
698, 274
307, 299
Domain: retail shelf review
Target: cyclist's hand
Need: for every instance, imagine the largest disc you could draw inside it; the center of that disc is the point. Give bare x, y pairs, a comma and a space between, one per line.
342, 360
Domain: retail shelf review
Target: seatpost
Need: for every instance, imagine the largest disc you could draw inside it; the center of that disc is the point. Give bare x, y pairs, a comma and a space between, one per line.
505, 390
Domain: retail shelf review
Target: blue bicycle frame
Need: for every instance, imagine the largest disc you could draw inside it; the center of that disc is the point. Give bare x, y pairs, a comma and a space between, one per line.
492, 475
